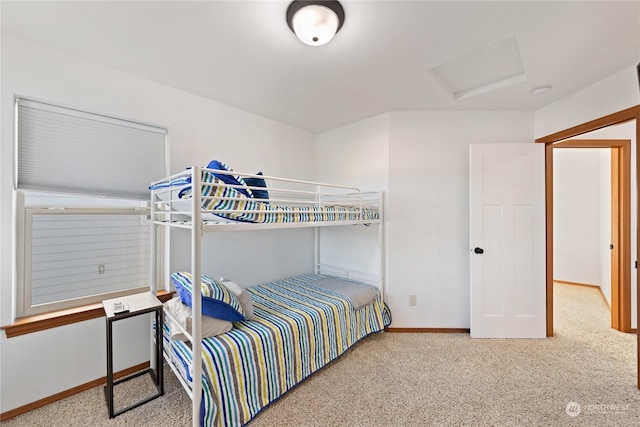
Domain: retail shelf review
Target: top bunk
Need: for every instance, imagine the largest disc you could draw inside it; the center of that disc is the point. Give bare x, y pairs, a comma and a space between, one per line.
229, 200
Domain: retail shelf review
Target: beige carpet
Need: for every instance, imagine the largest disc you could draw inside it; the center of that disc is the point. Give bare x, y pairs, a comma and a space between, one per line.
395, 379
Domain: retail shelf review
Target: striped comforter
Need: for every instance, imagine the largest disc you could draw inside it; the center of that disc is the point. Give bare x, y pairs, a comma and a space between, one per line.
229, 203
298, 329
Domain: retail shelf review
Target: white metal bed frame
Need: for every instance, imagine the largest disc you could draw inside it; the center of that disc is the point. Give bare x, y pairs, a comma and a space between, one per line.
166, 208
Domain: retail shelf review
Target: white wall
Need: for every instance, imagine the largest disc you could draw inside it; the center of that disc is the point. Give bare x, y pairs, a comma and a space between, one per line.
355, 155
626, 131
425, 155
608, 96
199, 130
427, 216
577, 211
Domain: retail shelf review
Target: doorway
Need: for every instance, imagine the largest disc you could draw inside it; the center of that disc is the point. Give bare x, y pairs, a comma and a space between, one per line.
620, 302
623, 116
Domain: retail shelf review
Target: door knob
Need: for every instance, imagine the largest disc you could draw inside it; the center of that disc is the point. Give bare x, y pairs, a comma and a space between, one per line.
478, 250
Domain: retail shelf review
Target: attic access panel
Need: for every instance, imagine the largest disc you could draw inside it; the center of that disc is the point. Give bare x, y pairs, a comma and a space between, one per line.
483, 70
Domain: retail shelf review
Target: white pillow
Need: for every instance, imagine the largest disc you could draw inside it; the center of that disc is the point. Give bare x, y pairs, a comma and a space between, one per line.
182, 314
243, 296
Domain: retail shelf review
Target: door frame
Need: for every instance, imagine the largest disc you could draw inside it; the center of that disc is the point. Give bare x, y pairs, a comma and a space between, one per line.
623, 116
620, 223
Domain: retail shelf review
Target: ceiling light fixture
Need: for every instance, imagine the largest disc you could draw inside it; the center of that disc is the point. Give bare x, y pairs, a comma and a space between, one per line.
315, 22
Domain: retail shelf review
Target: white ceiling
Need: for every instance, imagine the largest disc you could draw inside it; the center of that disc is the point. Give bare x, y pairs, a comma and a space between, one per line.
241, 53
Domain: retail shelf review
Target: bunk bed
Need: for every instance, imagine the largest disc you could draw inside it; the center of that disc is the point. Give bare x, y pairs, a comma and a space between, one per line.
271, 336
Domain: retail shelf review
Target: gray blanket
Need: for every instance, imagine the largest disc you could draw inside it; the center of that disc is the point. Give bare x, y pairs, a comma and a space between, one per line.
359, 294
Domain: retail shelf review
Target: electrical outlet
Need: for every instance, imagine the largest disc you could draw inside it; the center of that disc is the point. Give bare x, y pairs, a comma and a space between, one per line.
100, 268
413, 300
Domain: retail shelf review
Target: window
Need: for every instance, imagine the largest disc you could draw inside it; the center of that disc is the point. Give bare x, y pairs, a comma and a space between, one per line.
83, 231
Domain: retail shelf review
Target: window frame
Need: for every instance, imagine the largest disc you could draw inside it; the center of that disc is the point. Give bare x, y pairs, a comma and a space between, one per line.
72, 310
24, 305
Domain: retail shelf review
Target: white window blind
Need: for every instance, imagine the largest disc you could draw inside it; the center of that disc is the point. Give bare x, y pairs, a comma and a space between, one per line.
66, 150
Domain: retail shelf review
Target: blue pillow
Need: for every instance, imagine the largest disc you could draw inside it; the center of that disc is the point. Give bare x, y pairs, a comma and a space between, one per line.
229, 179
217, 300
258, 182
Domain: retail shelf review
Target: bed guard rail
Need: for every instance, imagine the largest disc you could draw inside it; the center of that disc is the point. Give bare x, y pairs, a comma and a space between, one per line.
225, 195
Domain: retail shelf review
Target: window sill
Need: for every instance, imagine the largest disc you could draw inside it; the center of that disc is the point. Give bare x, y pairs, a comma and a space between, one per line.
40, 322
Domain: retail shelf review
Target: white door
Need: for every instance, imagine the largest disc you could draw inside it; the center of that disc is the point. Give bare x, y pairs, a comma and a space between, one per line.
507, 240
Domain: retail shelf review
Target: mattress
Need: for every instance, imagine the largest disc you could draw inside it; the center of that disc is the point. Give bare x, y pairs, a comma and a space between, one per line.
298, 328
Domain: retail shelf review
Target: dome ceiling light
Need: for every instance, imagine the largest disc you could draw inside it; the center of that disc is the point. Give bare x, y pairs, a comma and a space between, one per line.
315, 22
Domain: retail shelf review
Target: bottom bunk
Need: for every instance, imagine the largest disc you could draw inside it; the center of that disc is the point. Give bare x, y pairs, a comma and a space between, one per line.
296, 327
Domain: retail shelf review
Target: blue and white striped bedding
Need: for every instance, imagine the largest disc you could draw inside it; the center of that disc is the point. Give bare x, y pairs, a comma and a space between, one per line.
228, 203
298, 329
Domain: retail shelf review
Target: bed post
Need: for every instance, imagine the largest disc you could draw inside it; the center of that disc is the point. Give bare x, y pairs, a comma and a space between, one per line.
381, 246
154, 247
196, 299
316, 250
316, 238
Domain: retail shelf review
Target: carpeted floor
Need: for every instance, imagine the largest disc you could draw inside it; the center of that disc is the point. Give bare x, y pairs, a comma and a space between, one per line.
584, 376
